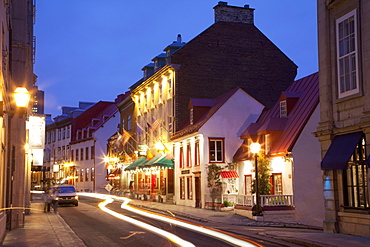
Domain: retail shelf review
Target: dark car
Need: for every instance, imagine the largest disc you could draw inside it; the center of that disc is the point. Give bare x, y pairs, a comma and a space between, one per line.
67, 195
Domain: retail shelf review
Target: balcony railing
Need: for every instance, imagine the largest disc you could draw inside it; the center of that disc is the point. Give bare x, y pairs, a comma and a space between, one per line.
266, 200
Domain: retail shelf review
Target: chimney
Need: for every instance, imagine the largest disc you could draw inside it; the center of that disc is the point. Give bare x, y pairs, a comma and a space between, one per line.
225, 12
179, 39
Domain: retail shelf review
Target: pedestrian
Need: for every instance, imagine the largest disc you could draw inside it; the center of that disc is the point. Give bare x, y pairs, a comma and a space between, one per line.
46, 196
55, 199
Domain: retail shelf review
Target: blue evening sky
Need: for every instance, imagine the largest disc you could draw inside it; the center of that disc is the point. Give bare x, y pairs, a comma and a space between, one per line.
91, 50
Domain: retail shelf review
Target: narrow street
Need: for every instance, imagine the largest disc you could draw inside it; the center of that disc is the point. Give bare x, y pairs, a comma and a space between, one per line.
97, 228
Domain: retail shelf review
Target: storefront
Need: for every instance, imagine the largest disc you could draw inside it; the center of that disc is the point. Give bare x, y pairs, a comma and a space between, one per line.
152, 179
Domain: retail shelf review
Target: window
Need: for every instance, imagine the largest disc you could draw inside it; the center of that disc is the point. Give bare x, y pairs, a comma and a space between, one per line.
86, 153
92, 150
181, 154
190, 188
92, 174
72, 156
196, 154
64, 133
169, 87
191, 116
283, 111
247, 184
87, 175
63, 152
68, 154
216, 150
347, 54
267, 143
188, 155
59, 134
129, 122
81, 175
182, 187
277, 184
355, 184
77, 154
82, 154
67, 132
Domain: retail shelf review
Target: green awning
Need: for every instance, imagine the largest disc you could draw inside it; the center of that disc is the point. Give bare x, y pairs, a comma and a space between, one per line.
135, 164
163, 162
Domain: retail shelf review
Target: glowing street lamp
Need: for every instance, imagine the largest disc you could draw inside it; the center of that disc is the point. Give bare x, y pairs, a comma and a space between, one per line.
21, 97
255, 149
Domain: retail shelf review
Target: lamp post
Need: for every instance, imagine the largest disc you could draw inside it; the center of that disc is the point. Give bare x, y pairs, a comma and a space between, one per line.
21, 97
255, 149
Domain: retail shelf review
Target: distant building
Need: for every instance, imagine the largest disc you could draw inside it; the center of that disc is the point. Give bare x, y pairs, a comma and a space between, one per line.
344, 127
57, 142
38, 101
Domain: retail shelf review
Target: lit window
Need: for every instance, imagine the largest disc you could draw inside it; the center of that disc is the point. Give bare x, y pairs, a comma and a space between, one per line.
190, 188
267, 143
347, 54
216, 150
196, 153
283, 111
188, 155
182, 188
181, 153
191, 116
355, 181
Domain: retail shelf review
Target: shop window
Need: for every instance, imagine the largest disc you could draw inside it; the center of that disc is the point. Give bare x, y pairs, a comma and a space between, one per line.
182, 188
248, 184
92, 174
190, 188
216, 150
276, 180
81, 175
355, 183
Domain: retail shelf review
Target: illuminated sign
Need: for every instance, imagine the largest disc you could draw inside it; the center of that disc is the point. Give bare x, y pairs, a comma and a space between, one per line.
36, 126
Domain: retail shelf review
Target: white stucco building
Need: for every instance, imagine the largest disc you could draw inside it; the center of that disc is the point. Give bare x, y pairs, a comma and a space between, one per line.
210, 136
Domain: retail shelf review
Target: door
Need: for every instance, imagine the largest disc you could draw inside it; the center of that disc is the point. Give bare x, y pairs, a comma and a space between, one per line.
197, 193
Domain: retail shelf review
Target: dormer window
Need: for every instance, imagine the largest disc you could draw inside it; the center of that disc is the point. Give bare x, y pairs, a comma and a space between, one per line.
283, 109
191, 116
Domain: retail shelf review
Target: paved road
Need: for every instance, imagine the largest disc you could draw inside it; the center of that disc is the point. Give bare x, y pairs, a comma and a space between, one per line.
97, 228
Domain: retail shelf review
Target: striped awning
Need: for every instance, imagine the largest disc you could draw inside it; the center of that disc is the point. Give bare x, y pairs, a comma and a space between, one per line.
229, 174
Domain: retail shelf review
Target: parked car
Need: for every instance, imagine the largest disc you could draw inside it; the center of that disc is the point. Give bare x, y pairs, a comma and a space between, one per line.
67, 194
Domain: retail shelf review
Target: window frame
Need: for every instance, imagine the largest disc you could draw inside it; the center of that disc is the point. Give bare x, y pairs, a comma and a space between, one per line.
358, 180
215, 140
355, 53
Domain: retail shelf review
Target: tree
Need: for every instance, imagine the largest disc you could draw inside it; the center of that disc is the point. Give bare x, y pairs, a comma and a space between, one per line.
214, 182
263, 176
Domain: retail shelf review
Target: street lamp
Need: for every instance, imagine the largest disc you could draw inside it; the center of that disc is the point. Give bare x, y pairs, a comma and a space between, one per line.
255, 149
21, 96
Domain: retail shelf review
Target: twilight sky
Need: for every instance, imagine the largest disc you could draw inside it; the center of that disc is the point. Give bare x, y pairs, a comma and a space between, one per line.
91, 50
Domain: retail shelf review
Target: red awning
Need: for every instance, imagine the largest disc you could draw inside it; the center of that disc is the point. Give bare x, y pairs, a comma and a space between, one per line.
229, 174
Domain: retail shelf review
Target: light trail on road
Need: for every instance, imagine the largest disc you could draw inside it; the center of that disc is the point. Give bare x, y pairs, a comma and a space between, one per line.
235, 240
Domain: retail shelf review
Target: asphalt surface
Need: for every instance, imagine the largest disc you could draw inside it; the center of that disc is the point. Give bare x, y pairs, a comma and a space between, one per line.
49, 229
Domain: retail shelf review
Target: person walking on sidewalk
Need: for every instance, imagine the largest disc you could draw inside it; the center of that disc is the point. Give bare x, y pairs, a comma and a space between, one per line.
46, 196
55, 195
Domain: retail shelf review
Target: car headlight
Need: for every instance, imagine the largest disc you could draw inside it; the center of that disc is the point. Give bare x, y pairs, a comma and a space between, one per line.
76, 197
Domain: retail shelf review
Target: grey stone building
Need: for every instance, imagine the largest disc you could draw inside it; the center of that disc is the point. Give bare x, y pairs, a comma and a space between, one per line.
344, 128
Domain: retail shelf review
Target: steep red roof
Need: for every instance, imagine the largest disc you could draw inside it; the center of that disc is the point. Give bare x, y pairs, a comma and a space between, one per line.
307, 89
191, 128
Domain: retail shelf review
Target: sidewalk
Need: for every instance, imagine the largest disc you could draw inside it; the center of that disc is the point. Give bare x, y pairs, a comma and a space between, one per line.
42, 229
49, 229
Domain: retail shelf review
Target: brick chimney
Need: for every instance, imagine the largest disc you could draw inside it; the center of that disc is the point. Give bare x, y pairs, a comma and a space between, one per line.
224, 12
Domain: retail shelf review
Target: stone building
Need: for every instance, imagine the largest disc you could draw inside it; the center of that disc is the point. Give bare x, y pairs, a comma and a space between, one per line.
344, 128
